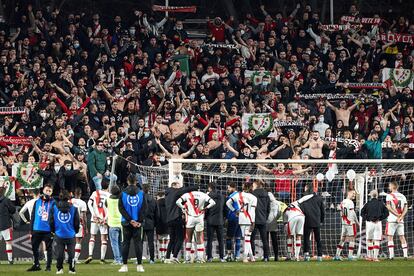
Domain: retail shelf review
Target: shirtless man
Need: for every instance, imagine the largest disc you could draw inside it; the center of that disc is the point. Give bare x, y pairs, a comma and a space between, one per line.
177, 128
214, 143
315, 144
158, 125
343, 112
61, 140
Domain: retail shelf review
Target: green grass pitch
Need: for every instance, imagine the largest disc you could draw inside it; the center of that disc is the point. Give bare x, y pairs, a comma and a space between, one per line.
355, 268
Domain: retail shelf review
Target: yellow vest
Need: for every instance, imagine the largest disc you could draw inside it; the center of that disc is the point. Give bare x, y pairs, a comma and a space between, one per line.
114, 217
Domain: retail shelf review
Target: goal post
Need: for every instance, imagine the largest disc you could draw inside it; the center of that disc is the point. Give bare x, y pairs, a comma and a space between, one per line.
286, 179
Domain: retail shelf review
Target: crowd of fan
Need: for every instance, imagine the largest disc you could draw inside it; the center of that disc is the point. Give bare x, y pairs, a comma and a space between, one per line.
92, 90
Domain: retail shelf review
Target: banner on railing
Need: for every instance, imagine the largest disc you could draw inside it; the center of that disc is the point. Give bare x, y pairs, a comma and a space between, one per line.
7, 182
5, 110
26, 176
402, 38
184, 9
361, 20
401, 78
16, 140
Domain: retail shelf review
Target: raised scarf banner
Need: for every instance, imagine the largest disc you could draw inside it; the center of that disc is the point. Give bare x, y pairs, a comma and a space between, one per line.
16, 140
328, 96
264, 123
402, 38
361, 20
219, 45
339, 27
365, 85
184, 9
352, 142
5, 110
400, 78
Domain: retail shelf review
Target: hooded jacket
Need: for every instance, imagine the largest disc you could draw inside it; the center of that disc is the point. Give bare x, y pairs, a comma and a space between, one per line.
263, 206
57, 226
150, 213
161, 221
7, 209
215, 215
171, 196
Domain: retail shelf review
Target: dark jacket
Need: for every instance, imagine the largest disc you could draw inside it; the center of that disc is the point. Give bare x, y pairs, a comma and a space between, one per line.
150, 213
132, 190
161, 221
7, 209
374, 210
215, 215
96, 162
263, 206
64, 207
67, 179
314, 211
171, 196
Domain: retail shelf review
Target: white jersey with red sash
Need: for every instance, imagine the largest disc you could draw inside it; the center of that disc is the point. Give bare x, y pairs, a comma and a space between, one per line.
398, 202
246, 204
194, 203
96, 204
348, 215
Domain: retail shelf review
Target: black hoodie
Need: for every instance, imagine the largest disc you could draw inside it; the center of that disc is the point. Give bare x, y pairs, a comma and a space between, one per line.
64, 207
263, 206
7, 209
161, 221
132, 190
150, 213
171, 196
215, 215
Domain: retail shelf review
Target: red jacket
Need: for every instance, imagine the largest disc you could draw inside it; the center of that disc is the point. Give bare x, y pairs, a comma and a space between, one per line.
220, 128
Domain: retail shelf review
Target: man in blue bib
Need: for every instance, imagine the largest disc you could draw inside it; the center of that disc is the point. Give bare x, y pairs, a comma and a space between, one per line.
64, 223
132, 206
40, 227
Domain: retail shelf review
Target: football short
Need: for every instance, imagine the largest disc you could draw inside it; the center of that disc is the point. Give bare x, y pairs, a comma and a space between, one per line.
393, 227
295, 226
7, 234
80, 234
195, 222
374, 230
349, 230
95, 228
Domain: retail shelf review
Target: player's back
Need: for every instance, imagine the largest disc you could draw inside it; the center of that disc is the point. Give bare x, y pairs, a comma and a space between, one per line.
247, 203
398, 202
97, 201
347, 211
195, 202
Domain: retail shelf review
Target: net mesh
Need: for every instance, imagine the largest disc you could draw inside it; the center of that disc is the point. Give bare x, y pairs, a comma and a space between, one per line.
287, 179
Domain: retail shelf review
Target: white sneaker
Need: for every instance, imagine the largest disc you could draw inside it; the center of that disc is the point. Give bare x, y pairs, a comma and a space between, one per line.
60, 271
140, 268
72, 272
124, 268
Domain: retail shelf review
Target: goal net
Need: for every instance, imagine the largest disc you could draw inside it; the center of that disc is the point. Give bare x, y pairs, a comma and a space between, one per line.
286, 179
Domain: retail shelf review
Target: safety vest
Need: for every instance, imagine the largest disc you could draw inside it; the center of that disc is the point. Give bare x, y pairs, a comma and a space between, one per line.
114, 217
41, 215
132, 204
64, 222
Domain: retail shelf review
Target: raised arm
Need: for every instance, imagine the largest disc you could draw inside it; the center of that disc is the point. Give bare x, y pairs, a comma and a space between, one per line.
167, 153
264, 168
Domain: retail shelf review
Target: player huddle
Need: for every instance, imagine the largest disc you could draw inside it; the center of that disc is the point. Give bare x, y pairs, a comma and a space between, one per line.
126, 215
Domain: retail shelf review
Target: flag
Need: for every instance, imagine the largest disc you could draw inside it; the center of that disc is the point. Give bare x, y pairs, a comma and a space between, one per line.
7, 182
185, 9
184, 65
262, 123
256, 76
401, 78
